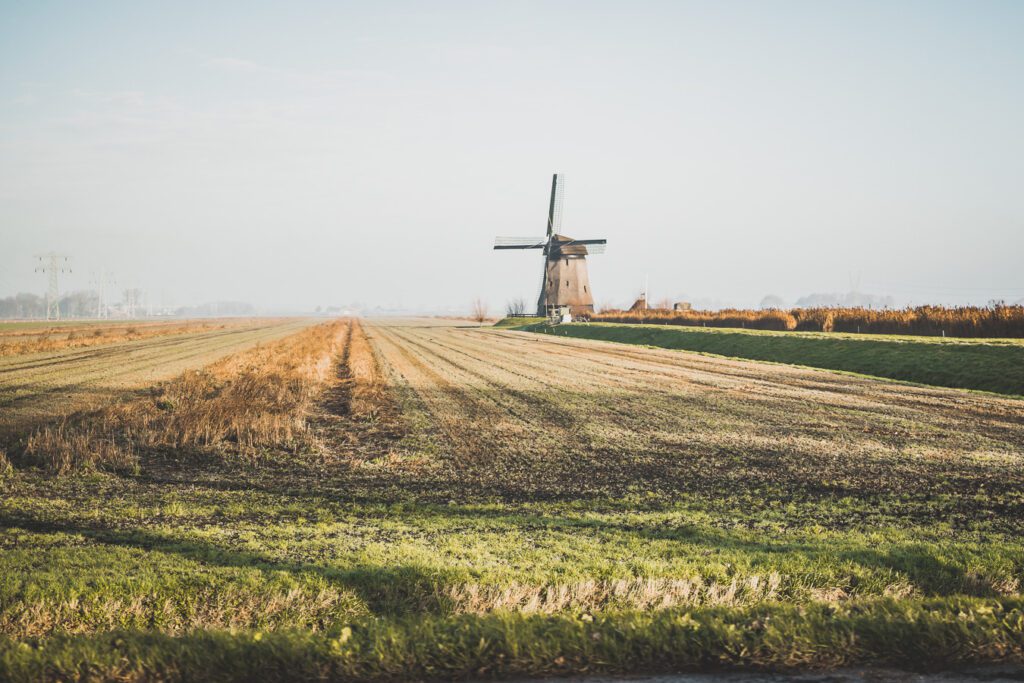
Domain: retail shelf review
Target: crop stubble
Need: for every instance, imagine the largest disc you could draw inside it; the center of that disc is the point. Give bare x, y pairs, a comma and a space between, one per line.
528, 417
36, 387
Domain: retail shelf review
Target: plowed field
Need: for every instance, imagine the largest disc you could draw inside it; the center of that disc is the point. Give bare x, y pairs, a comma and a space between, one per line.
471, 502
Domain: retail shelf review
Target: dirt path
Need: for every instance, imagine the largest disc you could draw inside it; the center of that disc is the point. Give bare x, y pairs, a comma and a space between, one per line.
523, 414
37, 387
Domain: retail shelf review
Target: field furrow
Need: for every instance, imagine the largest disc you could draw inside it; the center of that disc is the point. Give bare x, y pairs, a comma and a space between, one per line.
38, 387
530, 414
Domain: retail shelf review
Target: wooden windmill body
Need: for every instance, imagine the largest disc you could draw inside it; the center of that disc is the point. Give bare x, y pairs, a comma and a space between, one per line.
566, 283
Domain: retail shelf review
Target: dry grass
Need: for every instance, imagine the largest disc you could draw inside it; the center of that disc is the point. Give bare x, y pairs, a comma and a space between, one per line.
369, 390
963, 321
256, 399
35, 340
758, 320
637, 593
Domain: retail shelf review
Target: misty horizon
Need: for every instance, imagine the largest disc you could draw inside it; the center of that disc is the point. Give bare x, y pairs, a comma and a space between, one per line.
342, 155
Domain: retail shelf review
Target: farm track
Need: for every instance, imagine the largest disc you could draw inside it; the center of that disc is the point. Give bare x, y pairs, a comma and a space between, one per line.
40, 386
522, 413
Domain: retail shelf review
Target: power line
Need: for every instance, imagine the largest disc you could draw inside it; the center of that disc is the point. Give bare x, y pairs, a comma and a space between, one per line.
102, 281
53, 264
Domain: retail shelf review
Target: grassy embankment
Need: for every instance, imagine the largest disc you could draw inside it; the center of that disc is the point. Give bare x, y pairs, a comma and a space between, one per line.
518, 322
987, 365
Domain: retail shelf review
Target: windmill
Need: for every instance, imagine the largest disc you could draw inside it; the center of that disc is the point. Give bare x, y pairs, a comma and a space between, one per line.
566, 283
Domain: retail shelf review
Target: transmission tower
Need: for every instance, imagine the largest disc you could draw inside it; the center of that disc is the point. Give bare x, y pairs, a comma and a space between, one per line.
53, 264
101, 281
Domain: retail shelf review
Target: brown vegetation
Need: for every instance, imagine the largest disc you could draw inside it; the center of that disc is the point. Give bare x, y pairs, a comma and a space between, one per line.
635, 593
34, 389
478, 311
259, 398
368, 395
35, 339
962, 321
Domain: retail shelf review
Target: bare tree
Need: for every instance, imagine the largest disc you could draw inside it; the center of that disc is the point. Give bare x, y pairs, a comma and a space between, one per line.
478, 312
516, 307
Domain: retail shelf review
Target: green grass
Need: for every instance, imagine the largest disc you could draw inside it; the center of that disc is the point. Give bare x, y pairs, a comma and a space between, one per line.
183, 577
518, 322
987, 365
943, 633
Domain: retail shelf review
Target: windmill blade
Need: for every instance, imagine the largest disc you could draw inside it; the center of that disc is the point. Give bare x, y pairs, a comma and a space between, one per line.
589, 246
520, 242
555, 208
597, 241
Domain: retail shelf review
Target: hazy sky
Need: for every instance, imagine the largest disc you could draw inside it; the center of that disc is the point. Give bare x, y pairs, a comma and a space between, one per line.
304, 153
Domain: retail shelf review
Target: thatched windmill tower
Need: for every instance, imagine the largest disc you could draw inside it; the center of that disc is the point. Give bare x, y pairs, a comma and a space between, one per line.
566, 282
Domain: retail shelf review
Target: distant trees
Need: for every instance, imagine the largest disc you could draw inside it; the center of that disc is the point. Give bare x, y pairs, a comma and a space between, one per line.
216, 309
772, 301
23, 305
847, 300
516, 307
79, 305
663, 303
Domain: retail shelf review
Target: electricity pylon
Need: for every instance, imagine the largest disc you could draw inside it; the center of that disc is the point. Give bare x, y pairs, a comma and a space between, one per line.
101, 281
52, 264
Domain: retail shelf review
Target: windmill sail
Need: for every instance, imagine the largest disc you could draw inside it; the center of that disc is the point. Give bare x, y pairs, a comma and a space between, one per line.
520, 242
555, 208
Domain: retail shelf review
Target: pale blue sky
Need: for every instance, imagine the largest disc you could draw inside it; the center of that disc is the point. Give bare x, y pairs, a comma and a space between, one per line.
295, 154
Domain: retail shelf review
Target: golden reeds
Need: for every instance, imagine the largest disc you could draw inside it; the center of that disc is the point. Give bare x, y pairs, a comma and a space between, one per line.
961, 321
57, 338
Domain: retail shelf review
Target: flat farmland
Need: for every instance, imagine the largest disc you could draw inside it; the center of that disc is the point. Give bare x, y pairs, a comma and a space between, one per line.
566, 417
450, 501
37, 386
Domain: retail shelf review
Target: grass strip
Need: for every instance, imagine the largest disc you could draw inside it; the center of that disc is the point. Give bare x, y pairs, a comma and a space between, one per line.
519, 321
914, 634
960, 364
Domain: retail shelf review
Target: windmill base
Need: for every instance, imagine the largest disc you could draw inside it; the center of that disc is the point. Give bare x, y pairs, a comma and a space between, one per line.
566, 285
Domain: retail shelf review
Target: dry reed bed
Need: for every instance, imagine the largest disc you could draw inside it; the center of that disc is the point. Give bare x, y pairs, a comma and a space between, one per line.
16, 343
251, 400
1000, 321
